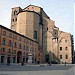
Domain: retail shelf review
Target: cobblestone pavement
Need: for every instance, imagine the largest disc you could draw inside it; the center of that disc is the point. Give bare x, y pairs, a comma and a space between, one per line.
37, 70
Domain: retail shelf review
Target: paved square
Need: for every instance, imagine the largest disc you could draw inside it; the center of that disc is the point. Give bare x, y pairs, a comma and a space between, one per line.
37, 70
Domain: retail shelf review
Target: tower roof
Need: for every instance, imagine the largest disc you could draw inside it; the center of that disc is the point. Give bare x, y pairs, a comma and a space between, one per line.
32, 5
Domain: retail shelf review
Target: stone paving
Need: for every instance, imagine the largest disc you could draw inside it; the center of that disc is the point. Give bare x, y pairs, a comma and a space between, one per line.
37, 70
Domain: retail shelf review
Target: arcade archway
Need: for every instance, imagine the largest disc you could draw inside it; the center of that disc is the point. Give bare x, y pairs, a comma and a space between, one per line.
19, 57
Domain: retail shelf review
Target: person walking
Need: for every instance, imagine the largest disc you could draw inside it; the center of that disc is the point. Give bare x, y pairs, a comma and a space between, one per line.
65, 63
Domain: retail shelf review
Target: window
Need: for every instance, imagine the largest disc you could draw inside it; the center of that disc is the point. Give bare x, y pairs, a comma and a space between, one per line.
24, 53
15, 37
27, 48
14, 52
39, 54
33, 49
24, 47
3, 41
10, 43
65, 41
60, 56
20, 39
3, 49
66, 56
30, 43
60, 41
30, 48
12, 20
9, 50
60, 48
10, 35
55, 32
15, 12
4, 33
27, 41
66, 48
35, 34
47, 28
20, 46
15, 45
16, 19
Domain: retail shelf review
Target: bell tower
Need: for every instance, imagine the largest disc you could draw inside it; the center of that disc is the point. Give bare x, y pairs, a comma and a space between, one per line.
15, 12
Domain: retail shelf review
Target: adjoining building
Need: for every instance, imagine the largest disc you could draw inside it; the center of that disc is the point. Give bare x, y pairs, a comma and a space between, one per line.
16, 48
54, 45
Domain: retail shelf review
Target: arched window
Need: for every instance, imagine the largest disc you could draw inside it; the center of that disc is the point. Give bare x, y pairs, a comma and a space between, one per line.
66, 56
12, 20
3, 41
66, 48
15, 19
10, 43
15, 12
20, 46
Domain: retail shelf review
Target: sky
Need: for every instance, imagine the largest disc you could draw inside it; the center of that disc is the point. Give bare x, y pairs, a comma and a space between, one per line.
61, 11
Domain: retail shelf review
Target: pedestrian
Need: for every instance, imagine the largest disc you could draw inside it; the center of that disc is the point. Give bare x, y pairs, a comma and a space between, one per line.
65, 63
22, 63
38, 62
49, 63
8, 63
